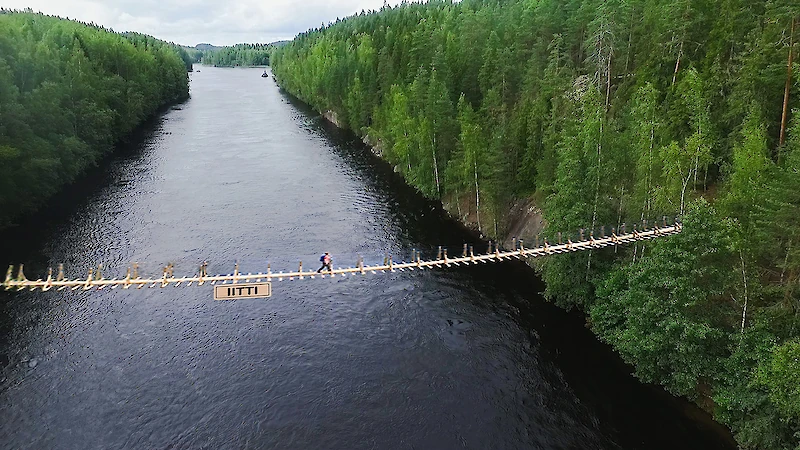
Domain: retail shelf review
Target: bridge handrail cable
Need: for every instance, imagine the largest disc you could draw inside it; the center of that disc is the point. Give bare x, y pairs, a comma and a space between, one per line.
96, 279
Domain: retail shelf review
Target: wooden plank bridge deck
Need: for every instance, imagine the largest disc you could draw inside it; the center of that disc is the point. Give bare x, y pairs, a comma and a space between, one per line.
95, 279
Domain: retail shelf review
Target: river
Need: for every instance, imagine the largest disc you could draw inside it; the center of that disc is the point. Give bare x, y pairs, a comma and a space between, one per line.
468, 357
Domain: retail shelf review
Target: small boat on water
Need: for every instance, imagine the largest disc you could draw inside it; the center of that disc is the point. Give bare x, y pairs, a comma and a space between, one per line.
264, 75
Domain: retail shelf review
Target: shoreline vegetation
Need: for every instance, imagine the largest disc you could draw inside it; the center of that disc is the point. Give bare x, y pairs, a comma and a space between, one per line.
533, 118
69, 92
239, 55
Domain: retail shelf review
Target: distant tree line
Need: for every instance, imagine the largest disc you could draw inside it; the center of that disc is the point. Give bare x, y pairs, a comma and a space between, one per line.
68, 92
605, 112
238, 55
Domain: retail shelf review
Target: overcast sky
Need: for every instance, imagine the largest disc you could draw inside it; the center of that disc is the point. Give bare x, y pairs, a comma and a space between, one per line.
218, 22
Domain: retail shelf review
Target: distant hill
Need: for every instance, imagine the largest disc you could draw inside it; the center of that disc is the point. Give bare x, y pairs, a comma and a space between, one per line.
206, 47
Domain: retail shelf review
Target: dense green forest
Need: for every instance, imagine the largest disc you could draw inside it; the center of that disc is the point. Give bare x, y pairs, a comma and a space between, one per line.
603, 112
238, 55
68, 92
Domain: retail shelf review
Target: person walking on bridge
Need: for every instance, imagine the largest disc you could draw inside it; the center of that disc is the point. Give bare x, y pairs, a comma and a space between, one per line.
326, 261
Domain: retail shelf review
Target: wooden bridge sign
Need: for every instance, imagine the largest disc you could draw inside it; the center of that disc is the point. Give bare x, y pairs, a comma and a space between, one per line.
242, 290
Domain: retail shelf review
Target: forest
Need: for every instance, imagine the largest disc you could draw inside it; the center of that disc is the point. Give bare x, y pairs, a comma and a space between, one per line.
604, 112
238, 55
69, 92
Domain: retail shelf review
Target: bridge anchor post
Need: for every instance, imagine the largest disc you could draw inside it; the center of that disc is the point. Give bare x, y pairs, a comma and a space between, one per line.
21, 274
127, 279
88, 283
49, 282
202, 273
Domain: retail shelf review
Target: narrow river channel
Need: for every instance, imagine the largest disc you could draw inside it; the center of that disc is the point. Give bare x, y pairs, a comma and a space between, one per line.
458, 358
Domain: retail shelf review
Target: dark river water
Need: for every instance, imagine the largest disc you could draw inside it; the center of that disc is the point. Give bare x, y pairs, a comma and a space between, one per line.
457, 358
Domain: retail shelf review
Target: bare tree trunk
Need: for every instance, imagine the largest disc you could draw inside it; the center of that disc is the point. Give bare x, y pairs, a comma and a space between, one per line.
477, 195
608, 83
636, 244
683, 190
744, 278
788, 86
435, 167
630, 43
677, 64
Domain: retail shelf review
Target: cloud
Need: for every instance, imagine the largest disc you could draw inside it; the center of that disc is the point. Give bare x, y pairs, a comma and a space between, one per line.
217, 22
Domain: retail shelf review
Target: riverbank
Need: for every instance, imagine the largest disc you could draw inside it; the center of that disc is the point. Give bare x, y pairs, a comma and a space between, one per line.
53, 206
56, 124
526, 221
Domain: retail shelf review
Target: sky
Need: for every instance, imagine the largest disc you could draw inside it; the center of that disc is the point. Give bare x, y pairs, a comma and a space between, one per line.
217, 22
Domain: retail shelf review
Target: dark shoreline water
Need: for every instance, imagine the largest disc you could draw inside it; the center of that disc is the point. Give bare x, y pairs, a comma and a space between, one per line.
469, 357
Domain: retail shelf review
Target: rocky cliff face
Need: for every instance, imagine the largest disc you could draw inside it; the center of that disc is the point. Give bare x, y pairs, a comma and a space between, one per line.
332, 117
526, 222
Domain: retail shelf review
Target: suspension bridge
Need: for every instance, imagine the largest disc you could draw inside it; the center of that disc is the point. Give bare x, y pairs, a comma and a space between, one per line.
96, 280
